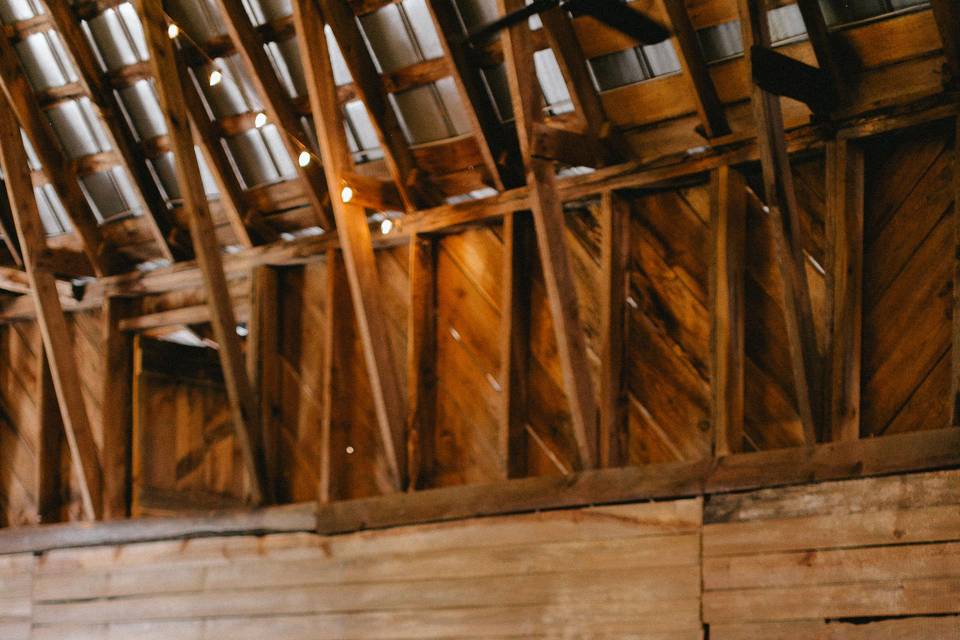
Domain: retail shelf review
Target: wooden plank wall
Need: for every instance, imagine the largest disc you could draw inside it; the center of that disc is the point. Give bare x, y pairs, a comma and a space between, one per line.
605, 572
834, 560
875, 558
19, 425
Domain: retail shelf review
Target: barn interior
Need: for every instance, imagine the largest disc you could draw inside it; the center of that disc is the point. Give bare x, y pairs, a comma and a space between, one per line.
382, 319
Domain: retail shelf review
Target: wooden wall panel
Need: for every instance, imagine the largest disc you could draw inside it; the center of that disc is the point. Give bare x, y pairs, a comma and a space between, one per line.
468, 392
668, 352
19, 424
16, 586
803, 561
909, 241
605, 572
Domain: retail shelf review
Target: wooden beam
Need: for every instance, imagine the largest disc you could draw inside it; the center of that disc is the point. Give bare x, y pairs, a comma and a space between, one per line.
243, 405
784, 76
414, 185
916, 451
242, 217
844, 227
276, 101
337, 317
263, 361
519, 246
498, 145
107, 101
421, 361
947, 14
567, 147
51, 319
550, 229
827, 56
50, 440
614, 264
117, 403
781, 204
713, 117
729, 231
955, 352
354, 236
59, 171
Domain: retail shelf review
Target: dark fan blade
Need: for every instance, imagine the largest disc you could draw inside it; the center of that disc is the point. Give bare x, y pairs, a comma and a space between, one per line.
619, 16
483, 32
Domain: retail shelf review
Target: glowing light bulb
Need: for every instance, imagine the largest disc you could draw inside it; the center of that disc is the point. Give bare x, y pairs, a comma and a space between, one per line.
173, 31
304, 158
350, 449
215, 78
260, 120
386, 226
346, 194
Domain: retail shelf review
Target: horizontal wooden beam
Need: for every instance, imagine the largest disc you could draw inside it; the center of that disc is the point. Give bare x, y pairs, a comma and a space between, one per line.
923, 450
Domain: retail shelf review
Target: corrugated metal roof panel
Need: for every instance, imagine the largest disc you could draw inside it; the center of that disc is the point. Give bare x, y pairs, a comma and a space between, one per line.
552, 82
15, 10
78, 129
143, 109
45, 62
200, 19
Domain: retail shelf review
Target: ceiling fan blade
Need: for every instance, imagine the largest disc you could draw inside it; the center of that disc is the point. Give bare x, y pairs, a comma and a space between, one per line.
481, 33
617, 15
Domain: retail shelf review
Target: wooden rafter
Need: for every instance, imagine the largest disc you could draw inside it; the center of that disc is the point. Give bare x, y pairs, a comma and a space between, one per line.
498, 145
415, 187
727, 267
355, 239
50, 317
550, 227
243, 405
277, 101
243, 218
712, 114
107, 101
781, 204
56, 167
827, 55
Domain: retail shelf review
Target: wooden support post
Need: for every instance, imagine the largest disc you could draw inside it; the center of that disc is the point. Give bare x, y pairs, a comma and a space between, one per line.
727, 266
117, 407
277, 102
955, 347
421, 360
781, 205
354, 235
712, 114
243, 405
550, 229
50, 430
262, 350
519, 246
53, 324
844, 226
947, 14
615, 254
336, 279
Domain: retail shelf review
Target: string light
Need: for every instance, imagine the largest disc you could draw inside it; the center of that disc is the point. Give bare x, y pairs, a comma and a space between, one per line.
215, 77
386, 226
173, 31
346, 194
260, 120
304, 159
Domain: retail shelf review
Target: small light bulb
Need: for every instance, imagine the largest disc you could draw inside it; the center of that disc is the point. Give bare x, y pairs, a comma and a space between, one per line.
304, 158
260, 120
350, 449
173, 31
346, 194
215, 78
386, 226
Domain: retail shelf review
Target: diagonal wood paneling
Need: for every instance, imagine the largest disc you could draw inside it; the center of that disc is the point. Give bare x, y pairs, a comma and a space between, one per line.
907, 291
